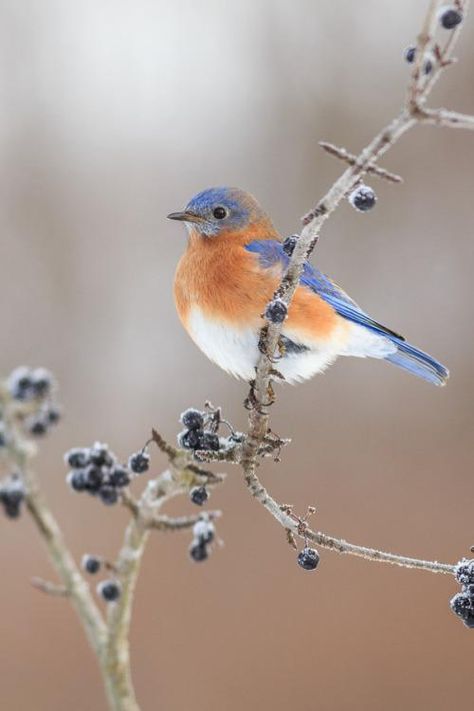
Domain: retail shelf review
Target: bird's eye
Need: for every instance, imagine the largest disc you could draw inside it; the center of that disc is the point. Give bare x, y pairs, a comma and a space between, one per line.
219, 212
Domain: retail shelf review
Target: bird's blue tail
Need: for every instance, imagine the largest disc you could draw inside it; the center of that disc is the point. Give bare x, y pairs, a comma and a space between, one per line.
415, 361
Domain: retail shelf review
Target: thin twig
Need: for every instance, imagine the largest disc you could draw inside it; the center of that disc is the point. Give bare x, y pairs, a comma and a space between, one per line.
351, 159
50, 588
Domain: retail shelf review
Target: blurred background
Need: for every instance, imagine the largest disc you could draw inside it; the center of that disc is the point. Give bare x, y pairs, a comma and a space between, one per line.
113, 114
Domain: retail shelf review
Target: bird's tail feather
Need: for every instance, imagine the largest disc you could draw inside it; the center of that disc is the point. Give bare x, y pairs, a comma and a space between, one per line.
418, 363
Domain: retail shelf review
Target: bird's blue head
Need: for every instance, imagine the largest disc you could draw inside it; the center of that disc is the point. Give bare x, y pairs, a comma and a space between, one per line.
215, 210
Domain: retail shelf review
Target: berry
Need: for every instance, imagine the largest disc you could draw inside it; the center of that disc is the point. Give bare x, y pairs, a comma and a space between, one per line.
20, 384
41, 382
192, 419
108, 495
12, 494
203, 531
94, 478
53, 414
410, 54
77, 480
198, 551
190, 439
428, 66
289, 244
37, 425
90, 563
199, 495
449, 17
276, 311
77, 458
119, 477
363, 198
308, 558
209, 442
139, 462
100, 455
461, 605
109, 590
464, 572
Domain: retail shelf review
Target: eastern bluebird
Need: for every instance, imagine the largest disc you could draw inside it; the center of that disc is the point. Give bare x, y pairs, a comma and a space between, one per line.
231, 268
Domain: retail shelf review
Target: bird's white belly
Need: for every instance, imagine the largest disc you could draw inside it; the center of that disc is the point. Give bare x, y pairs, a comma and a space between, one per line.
235, 350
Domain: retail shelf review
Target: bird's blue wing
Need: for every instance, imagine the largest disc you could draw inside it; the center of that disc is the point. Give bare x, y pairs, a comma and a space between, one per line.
271, 253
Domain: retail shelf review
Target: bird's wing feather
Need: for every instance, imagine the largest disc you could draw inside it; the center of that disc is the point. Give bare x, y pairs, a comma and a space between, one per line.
271, 253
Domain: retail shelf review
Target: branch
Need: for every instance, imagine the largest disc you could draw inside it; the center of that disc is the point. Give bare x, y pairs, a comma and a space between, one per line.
261, 391
347, 157
443, 117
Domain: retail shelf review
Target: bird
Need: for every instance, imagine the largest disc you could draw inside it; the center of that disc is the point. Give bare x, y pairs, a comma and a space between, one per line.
234, 262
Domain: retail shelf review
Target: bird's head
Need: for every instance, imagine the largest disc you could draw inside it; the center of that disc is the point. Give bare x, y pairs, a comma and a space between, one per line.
218, 210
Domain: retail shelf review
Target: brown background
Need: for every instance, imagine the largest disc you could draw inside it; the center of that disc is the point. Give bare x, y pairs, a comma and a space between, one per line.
112, 114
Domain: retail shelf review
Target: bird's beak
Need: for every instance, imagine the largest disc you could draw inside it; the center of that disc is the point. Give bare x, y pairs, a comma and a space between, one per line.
185, 216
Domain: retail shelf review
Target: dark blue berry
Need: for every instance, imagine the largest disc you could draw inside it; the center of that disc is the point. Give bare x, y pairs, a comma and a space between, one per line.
450, 17
42, 382
410, 54
108, 495
37, 426
289, 244
100, 455
78, 457
77, 480
276, 311
363, 198
461, 605
119, 476
308, 558
464, 572
94, 478
139, 462
209, 442
12, 494
199, 495
190, 439
428, 66
198, 551
109, 590
91, 564
53, 414
20, 384
192, 419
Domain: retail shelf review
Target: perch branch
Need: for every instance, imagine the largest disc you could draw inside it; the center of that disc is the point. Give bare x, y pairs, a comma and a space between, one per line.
418, 91
349, 158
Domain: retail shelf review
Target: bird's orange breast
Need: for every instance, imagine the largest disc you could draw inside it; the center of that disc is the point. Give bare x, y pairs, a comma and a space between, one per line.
226, 282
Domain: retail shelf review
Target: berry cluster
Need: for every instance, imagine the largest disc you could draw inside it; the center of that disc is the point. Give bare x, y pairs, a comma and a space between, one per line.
32, 390
96, 470
12, 495
308, 558
203, 536
462, 604
199, 433
362, 198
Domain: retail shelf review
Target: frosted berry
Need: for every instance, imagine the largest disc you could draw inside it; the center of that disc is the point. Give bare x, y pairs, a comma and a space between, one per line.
199, 495
91, 564
119, 476
190, 439
204, 531
363, 198
308, 558
77, 480
139, 462
109, 590
192, 419
209, 442
108, 495
289, 244
410, 54
77, 457
198, 551
449, 17
464, 572
276, 311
